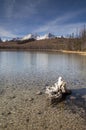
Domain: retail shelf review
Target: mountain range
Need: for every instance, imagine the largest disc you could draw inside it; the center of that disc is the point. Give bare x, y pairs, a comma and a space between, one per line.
38, 37
31, 36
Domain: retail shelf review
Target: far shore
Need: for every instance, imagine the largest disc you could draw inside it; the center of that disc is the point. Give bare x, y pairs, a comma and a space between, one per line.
74, 52
64, 45
45, 50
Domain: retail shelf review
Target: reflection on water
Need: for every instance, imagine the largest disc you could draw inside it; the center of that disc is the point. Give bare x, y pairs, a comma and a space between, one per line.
44, 67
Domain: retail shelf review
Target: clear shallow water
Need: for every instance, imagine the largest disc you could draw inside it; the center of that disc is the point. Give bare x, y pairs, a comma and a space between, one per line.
19, 70
24, 69
36, 66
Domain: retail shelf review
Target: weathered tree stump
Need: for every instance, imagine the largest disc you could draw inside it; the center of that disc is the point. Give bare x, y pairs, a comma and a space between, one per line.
58, 92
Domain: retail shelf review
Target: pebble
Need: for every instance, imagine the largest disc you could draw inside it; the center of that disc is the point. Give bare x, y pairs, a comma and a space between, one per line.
60, 126
5, 126
11, 122
73, 111
39, 93
26, 99
39, 112
3, 113
27, 120
12, 97
31, 99
9, 113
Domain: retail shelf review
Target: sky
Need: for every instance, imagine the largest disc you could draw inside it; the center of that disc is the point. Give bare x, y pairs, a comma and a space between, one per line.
60, 17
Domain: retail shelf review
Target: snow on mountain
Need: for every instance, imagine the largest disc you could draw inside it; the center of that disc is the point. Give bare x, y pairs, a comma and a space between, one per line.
37, 37
46, 36
30, 36
49, 36
3, 40
6, 39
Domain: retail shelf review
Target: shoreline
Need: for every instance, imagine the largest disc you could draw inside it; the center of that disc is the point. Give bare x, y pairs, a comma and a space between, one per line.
45, 50
74, 52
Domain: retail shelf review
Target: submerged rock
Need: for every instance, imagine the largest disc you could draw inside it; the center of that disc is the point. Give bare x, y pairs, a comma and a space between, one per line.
72, 97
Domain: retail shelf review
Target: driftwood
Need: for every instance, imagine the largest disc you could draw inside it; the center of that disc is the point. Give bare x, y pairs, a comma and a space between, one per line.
58, 91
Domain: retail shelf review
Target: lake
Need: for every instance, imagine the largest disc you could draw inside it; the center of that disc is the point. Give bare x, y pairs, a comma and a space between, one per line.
38, 69
41, 68
22, 73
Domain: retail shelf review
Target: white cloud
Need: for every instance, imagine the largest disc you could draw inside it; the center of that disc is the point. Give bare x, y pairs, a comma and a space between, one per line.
6, 33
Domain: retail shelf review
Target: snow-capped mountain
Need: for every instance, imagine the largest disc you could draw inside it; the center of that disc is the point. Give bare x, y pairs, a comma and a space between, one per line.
49, 36
37, 37
16, 39
30, 36
46, 36
6, 39
11, 39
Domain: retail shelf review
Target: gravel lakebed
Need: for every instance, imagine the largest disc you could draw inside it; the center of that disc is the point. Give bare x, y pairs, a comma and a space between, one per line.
27, 108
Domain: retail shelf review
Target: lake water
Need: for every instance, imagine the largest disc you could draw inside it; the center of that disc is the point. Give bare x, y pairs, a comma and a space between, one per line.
24, 69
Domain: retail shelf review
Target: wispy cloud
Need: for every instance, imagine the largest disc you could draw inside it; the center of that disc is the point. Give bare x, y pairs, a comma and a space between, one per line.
59, 24
62, 29
6, 33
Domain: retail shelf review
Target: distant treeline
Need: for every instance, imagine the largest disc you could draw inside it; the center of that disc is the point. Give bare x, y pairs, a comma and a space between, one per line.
73, 44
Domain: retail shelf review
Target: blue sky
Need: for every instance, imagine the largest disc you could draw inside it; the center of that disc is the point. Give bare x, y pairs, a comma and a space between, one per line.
60, 17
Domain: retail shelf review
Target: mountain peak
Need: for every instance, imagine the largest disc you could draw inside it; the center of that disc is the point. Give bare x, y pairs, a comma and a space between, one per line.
37, 37
49, 36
